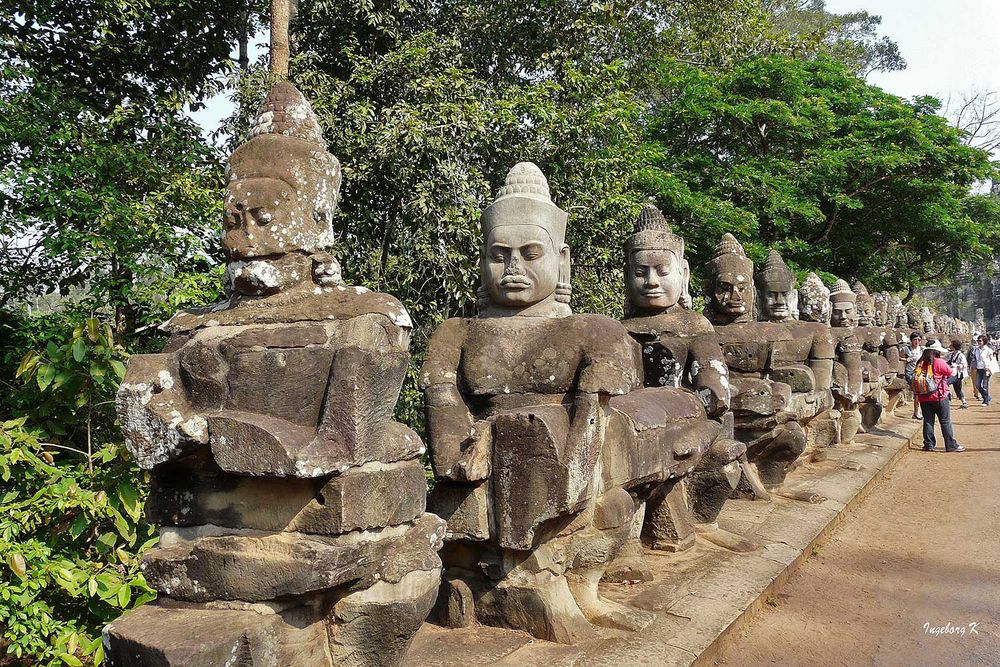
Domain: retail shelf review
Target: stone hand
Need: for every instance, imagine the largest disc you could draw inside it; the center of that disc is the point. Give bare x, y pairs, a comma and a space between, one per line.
475, 461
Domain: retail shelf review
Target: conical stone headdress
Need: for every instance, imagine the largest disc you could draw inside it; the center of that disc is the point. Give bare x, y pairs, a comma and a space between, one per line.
524, 200
841, 291
285, 111
652, 232
775, 276
814, 300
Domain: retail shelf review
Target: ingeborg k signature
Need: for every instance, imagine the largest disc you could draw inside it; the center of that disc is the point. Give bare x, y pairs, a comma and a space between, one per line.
949, 629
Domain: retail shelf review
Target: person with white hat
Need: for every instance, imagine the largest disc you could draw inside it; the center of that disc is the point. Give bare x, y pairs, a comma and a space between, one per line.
930, 385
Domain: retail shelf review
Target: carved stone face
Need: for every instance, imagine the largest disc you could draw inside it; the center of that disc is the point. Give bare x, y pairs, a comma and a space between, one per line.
814, 301
777, 305
926, 320
281, 196
881, 309
865, 311
520, 265
732, 294
656, 279
843, 313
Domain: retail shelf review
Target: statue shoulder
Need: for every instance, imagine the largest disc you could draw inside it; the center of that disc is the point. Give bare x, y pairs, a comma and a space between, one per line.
310, 303
444, 352
679, 322
613, 360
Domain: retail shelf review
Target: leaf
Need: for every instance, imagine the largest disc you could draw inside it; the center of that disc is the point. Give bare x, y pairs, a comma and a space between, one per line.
119, 368
79, 349
129, 496
97, 372
17, 564
92, 586
93, 329
46, 373
78, 526
28, 361
107, 540
71, 660
124, 595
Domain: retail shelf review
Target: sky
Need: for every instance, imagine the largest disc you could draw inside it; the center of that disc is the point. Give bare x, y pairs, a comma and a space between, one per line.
950, 46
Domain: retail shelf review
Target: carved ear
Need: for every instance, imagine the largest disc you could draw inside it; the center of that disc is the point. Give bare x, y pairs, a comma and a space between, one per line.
564, 288
685, 299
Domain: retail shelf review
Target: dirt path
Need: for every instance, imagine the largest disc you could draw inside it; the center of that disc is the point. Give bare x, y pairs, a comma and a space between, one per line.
922, 552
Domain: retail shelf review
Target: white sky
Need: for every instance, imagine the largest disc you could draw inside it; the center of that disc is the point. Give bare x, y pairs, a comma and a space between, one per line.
950, 46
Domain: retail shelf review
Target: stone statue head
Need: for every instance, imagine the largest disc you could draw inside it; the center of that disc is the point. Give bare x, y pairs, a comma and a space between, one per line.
524, 260
865, 305
729, 284
882, 314
843, 305
913, 318
281, 194
656, 273
926, 320
776, 289
814, 300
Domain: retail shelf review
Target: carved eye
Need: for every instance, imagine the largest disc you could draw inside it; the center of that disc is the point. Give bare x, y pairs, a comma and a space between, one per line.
531, 255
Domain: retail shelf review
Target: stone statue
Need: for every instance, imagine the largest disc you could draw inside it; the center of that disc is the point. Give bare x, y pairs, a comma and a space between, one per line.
814, 300
291, 506
761, 405
849, 371
892, 341
913, 319
544, 443
880, 354
680, 349
926, 320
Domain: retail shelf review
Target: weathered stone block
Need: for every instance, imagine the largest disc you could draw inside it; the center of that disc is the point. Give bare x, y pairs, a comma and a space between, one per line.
465, 507
156, 635
370, 496
266, 567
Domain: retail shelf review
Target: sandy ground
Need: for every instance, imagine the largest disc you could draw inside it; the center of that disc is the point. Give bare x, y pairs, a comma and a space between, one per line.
919, 556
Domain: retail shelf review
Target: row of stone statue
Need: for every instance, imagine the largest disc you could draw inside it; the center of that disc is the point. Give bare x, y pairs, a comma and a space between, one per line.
293, 510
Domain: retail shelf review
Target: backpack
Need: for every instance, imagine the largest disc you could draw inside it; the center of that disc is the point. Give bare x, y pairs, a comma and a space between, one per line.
924, 384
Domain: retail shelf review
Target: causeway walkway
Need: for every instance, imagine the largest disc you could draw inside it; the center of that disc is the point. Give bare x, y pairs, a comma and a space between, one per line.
910, 577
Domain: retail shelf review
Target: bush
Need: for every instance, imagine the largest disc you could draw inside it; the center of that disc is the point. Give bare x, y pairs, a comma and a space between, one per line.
71, 498
71, 541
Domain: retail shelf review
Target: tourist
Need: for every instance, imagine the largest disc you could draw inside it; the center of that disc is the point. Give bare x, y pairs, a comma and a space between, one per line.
983, 360
930, 385
911, 356
960, 369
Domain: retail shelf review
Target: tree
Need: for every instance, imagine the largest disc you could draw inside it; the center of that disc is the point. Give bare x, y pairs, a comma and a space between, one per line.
977, 114
804, 157
850, 38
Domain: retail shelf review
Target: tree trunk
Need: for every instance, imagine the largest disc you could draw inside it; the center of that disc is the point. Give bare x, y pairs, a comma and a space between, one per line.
279, 38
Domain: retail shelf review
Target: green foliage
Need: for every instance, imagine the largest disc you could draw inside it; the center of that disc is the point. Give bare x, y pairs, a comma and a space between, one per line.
852, 38
804, 157
73, 374
70, 541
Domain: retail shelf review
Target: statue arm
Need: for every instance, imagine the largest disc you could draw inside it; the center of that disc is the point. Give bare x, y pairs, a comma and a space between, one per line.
155, 414
709, 374
452, 429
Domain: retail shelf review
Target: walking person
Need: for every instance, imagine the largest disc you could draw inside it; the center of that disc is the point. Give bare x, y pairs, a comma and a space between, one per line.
911, 356
960, 370
983, 360
930, 384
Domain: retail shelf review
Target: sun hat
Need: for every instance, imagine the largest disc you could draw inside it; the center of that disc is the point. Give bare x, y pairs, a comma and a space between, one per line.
935, 346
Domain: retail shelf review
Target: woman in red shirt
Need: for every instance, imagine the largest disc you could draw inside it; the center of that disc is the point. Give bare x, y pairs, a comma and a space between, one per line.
936, 403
